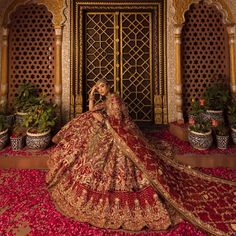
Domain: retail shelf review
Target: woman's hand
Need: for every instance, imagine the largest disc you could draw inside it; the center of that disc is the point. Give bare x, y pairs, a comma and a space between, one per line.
91, 98
91, 95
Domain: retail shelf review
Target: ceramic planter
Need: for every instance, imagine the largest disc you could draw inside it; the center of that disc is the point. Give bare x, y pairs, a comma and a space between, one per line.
17, 143
3, 138
222, 141
214, 115
200, 141
38, 141
10, 119
19, 117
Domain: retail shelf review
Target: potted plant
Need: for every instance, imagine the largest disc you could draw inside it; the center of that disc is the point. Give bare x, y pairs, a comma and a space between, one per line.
25, 99
200, 133
17, 137
7, 116
231, 113
222, 135
39, 121
197, 109
231, 118
3, 132
216, 98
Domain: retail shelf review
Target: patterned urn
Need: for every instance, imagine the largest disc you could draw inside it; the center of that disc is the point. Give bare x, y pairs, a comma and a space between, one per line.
19, 117
214, 115
17, 143
38, 140
3, 138
200, 141
222, 141
10, 119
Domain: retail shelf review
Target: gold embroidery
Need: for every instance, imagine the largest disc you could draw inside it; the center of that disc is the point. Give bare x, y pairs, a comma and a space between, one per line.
233, 226
101, 161
106, 213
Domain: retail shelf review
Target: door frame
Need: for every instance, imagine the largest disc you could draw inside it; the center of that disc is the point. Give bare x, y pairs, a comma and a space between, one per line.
158, 9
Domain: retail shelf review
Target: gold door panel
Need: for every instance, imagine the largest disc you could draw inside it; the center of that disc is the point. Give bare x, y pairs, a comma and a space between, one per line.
120, 51
136, 64
100, 53
123, 42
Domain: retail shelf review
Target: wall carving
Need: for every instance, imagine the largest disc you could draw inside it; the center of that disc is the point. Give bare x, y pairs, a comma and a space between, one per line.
56, 7
181, 6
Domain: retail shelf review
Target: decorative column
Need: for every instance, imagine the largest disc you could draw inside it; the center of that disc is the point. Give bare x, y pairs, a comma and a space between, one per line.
58, 78
178, 74
231, 32
4, 74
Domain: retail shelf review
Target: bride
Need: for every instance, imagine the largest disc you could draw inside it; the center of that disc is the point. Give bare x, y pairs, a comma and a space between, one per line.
103, 171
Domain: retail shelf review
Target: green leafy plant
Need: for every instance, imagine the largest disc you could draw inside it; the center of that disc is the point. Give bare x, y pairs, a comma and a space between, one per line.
217, 96
40, 117
26, 98
221, 129
197, 107
231, 113
3, 124
200, 125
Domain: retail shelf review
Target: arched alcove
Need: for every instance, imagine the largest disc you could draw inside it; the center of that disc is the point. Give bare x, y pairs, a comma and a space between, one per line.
205, 51
31, 50
188, 30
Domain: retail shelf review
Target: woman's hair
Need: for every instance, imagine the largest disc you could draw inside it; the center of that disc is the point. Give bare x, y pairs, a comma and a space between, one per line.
102, 81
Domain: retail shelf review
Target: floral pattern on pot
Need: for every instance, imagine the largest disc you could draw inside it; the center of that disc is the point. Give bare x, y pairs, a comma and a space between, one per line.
222, 141
17, 143
214, 115
200, 141
38, 141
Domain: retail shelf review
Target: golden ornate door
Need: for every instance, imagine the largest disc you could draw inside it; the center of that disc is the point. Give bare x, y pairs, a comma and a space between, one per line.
120, 44
118, 47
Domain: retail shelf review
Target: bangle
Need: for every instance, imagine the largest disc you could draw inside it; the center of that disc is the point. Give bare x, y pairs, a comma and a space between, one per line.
91, 98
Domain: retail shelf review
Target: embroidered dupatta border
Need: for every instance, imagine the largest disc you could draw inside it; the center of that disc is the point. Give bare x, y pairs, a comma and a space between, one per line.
187, 214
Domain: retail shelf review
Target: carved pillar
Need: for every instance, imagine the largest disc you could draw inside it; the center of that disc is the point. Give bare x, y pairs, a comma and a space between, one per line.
231, 32
178, 76
58, 79
4, 74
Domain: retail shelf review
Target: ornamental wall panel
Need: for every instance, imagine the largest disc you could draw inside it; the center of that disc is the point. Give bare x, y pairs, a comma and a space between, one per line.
205, 52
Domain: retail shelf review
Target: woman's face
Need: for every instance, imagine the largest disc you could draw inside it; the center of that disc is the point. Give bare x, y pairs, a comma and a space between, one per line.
103, 89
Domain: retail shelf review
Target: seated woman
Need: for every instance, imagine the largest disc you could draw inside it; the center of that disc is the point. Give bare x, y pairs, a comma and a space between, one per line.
103, 171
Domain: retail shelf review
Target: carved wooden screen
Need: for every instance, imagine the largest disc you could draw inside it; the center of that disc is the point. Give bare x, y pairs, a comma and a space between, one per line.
205, 51
31, 50
118, 48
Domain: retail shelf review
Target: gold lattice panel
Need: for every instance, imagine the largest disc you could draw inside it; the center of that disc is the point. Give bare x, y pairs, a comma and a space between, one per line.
100, 53
31, 50
136, 75
205, 51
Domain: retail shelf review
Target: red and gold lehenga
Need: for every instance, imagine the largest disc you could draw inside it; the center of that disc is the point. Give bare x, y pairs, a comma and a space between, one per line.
110, 176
